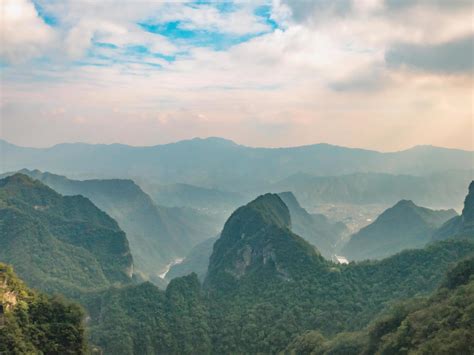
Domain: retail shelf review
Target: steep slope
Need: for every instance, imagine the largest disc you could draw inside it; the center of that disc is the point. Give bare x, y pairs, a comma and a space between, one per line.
59, 243
314, 228
403, 226
460, 226
157, 234
33, 323
216, 162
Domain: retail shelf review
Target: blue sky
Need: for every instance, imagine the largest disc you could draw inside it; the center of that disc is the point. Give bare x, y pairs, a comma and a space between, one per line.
265, 73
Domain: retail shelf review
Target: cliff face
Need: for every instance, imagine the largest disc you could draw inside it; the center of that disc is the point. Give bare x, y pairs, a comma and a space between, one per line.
460, 226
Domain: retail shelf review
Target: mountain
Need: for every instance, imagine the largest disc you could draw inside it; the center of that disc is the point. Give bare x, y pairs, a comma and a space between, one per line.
438, 189
439, 324
403, 226
219, 163
314, 228
196, 261
264, 287
60, 243
256, 239
157, 235
460, 226
33, 323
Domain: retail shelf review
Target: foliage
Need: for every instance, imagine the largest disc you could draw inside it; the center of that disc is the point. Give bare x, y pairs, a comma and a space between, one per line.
265, 286
59, 244
37, 324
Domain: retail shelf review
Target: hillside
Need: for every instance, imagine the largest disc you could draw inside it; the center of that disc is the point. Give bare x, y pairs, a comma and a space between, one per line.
403, 226
314, 228
157, 235
439, 324
60, 243
33, 323
216, 162
460, 226
265, 285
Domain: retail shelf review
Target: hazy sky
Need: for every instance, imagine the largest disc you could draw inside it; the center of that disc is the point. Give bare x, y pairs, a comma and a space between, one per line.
381, 74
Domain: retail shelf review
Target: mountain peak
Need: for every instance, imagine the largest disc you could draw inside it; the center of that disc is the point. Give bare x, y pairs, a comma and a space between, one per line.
405, 203
403, 226
257, 239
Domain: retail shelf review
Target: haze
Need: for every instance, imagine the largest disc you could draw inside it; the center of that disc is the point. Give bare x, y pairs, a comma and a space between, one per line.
383, 75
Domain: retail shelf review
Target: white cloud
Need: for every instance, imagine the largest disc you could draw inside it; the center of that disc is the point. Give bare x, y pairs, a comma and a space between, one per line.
24, 35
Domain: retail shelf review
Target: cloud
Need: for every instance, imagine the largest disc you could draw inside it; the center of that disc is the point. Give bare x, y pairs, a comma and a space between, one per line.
316, 10
454, 57
289, 72
368, 80
23, 33
450, 4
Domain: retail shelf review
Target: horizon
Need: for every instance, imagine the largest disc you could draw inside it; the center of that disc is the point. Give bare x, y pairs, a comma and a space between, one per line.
238, 144
379, 74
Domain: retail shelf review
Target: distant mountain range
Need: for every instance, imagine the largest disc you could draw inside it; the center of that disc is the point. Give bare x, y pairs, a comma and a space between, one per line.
403, 226
216, 162
442, 189
60, 243
157, 235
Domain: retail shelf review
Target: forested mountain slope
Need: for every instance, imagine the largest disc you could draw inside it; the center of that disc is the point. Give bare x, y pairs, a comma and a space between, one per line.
440, 324
59, 243
157, 235
33, 323
265, 285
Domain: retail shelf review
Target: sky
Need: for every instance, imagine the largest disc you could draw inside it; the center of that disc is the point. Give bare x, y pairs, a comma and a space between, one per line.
375, 74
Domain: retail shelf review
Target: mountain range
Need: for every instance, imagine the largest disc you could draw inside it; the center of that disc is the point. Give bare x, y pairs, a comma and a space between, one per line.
264, 287
220, 163
438, 190
157, 235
